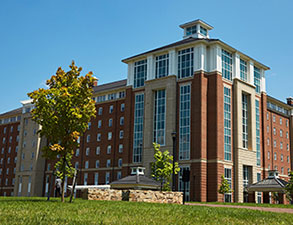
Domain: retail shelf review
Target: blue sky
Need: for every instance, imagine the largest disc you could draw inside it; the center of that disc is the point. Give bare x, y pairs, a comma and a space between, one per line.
39, 36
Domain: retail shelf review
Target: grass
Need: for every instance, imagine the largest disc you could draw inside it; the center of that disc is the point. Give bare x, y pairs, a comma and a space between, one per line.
39, 211
248, 204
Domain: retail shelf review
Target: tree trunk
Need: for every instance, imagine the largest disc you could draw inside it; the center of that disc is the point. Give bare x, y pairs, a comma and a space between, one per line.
63, 178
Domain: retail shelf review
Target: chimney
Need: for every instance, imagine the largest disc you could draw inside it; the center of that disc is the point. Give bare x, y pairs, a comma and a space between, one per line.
290, 101
96, 82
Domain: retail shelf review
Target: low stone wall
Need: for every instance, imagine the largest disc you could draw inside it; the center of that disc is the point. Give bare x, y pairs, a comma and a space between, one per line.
134, 195
103, 194
156, 196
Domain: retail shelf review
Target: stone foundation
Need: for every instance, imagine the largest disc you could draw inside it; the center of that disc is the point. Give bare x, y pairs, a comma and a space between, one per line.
134, 195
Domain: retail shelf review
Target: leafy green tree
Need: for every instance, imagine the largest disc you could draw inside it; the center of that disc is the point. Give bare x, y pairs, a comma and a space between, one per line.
225, 187
63, 111
289, 187
162, 168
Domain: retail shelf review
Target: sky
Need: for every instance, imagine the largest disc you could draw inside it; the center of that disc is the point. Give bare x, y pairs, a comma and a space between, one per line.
38, 36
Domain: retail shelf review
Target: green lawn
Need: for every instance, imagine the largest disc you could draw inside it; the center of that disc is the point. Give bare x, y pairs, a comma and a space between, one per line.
248, 204
38, 211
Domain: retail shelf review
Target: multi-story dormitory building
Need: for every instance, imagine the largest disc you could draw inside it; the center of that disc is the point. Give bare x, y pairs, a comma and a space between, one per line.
212, 95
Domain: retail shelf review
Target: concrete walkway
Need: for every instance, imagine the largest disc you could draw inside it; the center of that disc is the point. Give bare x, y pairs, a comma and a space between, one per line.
277, 210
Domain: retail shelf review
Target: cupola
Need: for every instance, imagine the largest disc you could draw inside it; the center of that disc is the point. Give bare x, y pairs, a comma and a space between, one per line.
196, 29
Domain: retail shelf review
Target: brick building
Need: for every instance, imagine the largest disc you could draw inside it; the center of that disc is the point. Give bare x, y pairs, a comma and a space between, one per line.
212, 95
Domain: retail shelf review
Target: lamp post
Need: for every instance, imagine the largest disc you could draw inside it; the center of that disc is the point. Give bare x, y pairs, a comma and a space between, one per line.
174, 160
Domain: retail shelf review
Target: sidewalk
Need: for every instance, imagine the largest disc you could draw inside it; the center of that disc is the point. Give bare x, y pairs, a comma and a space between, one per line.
277, 210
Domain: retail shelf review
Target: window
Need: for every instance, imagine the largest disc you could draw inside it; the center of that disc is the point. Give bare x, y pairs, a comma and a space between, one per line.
226, 65
16, 149
275, 143
109, 136
121, 94
274, 129
282, 170
33, 155
159, 117
276, 167
185, 63
85, 179
140, 73
259, 194
288, 159
227, 123
228, 177
122, 107
257, 79
287, 123
100, 112
96, 178
76, 165
191, 30
203, 31
107, 178
4, 130
138, 127
11, 129
268, 129
281, 145
18, 128
9, 150
3, 140
282, 158
101, 98
10, 139
287, 147
99, 123
268, 155
7, 171
87, 151
89, 124
275, 156
35, 131
244, 121
97, 163
86, 164
49, 167
121, 134
119, 175
98, 150
120, 148
88, 138
8, 160
121, 120
181, 183
287, 135
267, 116
162, 66
184, 122
109, 149
15, 159
112, 96
111, 108
23, 155
108, 162
268, 141
77, 152
280, 121
257, 119
245, 176
119, 162
17, 138
110, 122
243, 70
99, 137
281, 133
274, 118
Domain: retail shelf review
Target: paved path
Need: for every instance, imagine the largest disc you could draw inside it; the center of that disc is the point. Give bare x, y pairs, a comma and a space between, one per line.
278, 210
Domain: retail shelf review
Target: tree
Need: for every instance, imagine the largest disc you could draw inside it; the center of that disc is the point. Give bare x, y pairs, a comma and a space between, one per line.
64, 111
289, 187
162, 168
225, 187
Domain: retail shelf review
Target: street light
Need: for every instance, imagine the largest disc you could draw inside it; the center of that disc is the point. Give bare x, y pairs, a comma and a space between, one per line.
174, 159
